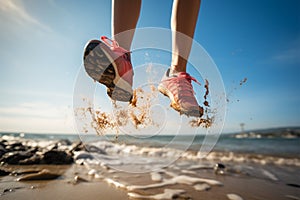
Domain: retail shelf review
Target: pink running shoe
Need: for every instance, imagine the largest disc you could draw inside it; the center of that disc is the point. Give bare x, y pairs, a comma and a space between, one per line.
180, 91
106, 62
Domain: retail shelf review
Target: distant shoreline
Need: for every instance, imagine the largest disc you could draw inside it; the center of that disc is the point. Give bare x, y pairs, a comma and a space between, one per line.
263, 131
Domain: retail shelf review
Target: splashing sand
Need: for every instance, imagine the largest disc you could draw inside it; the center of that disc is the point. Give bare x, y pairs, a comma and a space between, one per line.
243, 81
139, 108
138, 113
206, 123
230, 94
206, 93
206, 120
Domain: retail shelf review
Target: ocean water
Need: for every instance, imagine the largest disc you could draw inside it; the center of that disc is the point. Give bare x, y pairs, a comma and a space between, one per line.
281, 143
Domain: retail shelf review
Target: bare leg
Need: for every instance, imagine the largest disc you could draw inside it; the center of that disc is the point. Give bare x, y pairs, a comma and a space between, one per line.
183, 20
125, 14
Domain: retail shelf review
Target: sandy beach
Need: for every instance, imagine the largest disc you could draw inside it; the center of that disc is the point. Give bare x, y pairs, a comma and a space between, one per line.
138, 173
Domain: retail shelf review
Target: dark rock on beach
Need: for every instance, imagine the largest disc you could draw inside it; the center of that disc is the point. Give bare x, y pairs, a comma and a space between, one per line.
57, 157
14, 158
77, 146
33, 160
293, 185
64, 142
21, 151
2, 152
219, 168
4, 172
91, 148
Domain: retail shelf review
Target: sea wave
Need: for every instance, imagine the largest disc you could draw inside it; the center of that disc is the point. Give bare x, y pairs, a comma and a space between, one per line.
116, 153
124, 151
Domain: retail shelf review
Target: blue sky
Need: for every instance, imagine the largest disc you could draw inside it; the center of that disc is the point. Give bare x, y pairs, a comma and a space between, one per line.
42, 44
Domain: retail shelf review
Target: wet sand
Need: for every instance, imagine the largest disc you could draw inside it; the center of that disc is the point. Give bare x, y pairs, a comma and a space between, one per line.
89, 186
63, 187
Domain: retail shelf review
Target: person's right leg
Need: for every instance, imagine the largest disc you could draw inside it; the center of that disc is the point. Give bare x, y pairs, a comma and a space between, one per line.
108, 61
125, 14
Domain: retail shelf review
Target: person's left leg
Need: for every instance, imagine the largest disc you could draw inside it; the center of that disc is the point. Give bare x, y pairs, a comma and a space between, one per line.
176, 83
125, 14
183, 23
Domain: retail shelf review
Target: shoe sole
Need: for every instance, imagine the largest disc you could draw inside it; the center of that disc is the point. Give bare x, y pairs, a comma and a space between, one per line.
101, 67
176, 106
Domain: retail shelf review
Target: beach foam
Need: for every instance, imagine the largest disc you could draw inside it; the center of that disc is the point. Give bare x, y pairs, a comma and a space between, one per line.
180, 179
167, 194
156, 176
202, 187
234, 197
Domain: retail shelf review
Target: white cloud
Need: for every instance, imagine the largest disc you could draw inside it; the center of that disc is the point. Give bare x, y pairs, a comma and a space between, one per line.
18, 93
37, 117
41, 110
35, 125
291, 54
15, 11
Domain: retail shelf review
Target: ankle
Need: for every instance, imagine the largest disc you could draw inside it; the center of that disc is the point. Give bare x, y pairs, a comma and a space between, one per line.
176, 69
173, 71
